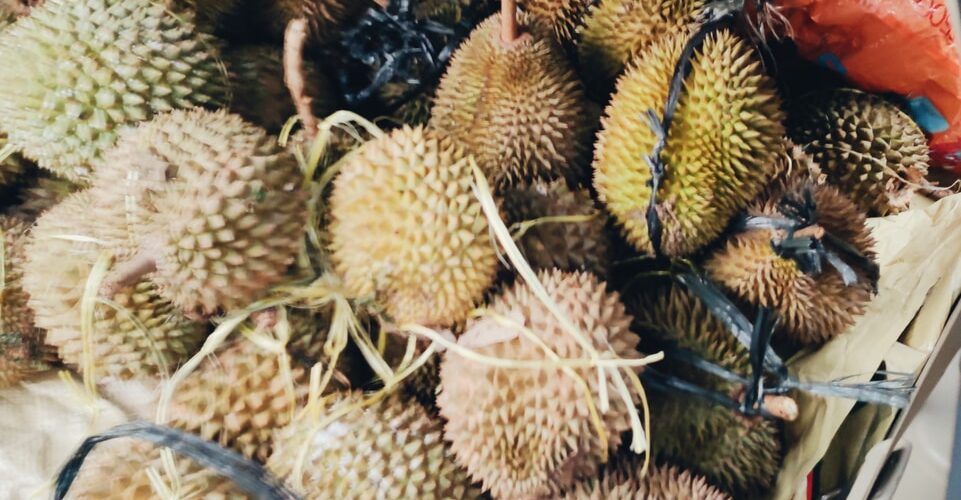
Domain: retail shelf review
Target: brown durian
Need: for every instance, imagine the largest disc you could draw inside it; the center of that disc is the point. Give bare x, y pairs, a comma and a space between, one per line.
741, 455
866, 145
390, 449
527, 432
118, 469
431, 260
325, 18
214, 203
563, 16
719, 151
614, 32
658, 483
519, 109
812, 308
138, 333
565, 245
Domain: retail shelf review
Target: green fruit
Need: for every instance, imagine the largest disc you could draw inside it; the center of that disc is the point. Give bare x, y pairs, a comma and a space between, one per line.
519, 110
719, 152
528, 432
391, 449
866, 145
87, 69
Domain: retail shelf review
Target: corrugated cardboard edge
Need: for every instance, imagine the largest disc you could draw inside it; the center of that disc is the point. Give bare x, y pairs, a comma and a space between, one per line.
916, 249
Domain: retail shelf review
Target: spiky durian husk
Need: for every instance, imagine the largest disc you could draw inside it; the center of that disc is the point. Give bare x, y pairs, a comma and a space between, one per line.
11, 168
21, 357
214, 201
811, 309
659, 483
614, 32
563, 16
568, 246
43, 193
242, 396
129, 60
526, 432
720, 149
207, 14
520, 111
325, 18
15, 314
118, 469
391, 449
433, 258
739, 454
259, 92
866, 146
422, 384
145, 336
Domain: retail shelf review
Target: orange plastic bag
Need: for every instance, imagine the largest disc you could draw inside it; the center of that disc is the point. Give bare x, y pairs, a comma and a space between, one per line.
900, 46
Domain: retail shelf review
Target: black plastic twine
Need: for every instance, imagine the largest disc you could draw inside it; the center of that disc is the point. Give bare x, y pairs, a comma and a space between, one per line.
248, 475
400, 48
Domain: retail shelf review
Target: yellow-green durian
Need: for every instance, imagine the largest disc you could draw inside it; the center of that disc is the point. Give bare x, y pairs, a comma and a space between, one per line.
528, 432
390, 449
719, 151
866, 145
741, 455
214, 203
259, 93
614, 32
657, 483
563, 16
407, 230
87, 69
138, 333
569, 245
811, 308
118, 469
519, 109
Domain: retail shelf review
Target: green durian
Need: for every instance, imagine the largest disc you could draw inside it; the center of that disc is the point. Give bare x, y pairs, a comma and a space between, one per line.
866, 145
719, 153
390, 449
520, 110
213, 203
739, 454
615, 32
259, 92
87, 69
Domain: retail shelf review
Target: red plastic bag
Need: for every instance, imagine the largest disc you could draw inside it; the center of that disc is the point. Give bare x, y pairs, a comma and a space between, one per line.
900, 46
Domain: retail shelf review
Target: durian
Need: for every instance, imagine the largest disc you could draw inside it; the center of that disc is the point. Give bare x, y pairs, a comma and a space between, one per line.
259, 92
42, 193
118, 469
240, 397
719, 151
519, 109
390, 449
136, 333
431, 260
812, 308
614, 32
525, 432
563, 16
21, 357
215, 204
659, 483
567, 245
867, 146
325, 18
206, 14
15, 314
739, 454
87, 69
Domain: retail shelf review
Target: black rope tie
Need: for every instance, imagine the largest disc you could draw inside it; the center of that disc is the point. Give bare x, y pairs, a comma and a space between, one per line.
248, 475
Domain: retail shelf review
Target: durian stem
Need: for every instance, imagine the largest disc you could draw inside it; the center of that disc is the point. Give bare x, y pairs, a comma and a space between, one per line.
383, 3
128, 273
509, 29
815, 231
782, 407
295, 37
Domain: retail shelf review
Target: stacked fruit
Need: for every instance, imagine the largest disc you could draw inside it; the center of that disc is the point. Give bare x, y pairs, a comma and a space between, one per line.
150, 212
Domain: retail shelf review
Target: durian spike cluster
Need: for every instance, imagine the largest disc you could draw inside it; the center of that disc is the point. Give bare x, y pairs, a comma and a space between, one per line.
429, 294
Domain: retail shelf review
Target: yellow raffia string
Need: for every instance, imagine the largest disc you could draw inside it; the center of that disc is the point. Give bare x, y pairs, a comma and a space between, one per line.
287, 130
78, 238
88, 400
88, 305
324, 131
639, 388
158, 485
6, 152
519, 229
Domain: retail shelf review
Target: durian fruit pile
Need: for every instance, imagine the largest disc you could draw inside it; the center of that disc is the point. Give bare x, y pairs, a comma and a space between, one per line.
456, 296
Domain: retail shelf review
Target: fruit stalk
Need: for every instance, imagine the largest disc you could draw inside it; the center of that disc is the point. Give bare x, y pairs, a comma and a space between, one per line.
295, 37
509, 30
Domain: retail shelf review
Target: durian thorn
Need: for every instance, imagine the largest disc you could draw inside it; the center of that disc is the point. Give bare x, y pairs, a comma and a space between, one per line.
295, 38
913, 173
815, 231
88, 305
154, 347
519, 229
128, 273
